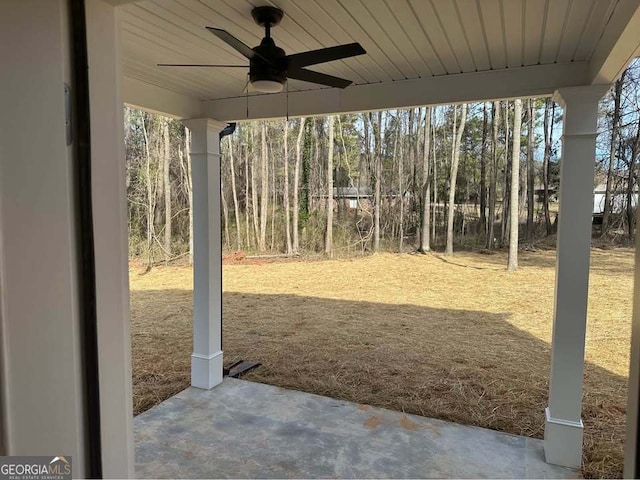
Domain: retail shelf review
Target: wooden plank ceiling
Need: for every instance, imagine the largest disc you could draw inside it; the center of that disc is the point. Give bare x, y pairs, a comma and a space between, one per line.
404, 39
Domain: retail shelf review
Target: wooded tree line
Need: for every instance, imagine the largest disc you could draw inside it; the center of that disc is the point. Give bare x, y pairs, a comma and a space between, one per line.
481, 175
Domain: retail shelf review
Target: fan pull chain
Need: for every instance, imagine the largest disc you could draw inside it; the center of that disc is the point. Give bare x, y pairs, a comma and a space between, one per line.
287, 100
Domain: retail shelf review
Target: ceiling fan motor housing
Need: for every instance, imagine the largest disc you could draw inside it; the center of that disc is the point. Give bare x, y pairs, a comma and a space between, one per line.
276, 70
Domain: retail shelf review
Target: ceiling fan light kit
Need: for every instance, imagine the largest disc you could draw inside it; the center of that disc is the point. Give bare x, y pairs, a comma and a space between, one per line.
267, 86
270, 66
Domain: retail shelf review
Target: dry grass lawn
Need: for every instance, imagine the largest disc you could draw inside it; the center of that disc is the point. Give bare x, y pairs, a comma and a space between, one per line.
458, 339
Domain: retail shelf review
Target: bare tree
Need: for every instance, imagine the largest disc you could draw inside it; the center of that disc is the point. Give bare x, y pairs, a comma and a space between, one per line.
483, 171
530, 167
150, 194
296, 188
247, 199
515, 172
166, 171
235, 195
225, 212
264, 190
425, 223
287, 207
615, 133
185, 169
455, 160
254, 192
400, 180
495, 120
273, 195
549, 113
506, 179
434, 220
328, 239
377, 135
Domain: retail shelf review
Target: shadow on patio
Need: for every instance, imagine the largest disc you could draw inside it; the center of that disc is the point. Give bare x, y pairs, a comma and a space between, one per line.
469, 367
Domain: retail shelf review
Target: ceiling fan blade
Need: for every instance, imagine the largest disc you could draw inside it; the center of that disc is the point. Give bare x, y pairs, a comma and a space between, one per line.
199, 65
236, 44
323, 55
316, 77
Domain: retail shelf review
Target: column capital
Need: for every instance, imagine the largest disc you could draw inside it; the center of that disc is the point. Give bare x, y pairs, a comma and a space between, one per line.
205, 134
580, 106
587, 93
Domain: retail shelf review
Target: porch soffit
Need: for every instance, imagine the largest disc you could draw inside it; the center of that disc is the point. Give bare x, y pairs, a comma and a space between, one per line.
418, 52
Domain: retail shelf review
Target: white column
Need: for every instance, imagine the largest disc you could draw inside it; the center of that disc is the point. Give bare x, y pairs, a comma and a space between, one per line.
206, 360
110, 238
563, 428
632, 443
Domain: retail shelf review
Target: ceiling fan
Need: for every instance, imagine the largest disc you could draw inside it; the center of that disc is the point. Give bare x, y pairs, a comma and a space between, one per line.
270, 66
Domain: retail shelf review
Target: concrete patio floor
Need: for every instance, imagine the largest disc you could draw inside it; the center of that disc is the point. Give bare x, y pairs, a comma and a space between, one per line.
243, 429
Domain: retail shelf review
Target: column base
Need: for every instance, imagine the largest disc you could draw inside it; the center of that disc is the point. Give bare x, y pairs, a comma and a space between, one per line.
563, 441
206, 370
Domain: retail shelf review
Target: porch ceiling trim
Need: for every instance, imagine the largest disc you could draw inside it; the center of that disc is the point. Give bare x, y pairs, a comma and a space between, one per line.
152, 98
540, 80
618, 45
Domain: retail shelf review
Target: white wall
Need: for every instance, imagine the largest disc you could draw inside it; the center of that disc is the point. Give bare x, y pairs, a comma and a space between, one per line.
41, 389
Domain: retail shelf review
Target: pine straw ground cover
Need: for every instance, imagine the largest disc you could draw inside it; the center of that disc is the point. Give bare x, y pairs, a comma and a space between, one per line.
459, 339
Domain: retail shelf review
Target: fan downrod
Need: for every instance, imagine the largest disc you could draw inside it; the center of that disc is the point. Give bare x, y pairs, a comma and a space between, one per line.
267, 16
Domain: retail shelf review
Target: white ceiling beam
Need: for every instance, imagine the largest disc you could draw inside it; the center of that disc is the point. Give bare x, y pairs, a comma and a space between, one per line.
620, 42
539, 80
149, 97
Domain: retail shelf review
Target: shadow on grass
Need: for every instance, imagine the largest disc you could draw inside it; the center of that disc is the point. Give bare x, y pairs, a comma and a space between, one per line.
470, 367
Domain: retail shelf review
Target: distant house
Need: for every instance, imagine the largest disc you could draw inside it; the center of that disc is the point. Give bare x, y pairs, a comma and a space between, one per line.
539, 193
354, 198
348, 198
618, 199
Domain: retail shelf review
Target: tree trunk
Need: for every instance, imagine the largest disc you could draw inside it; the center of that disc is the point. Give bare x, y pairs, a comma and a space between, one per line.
434, 220
455, 160
247, 199
548, 132
415, 140
225, 211
185, 167
328, 239
483, 171
615, 129
264, 191
296, 189
400, 183
287, 208
530, 169
273, 195
166, 158
515, 172
495, 120
306, 189
506, 179
150, 195
235, 195
378, 178
254, 193
425, 224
